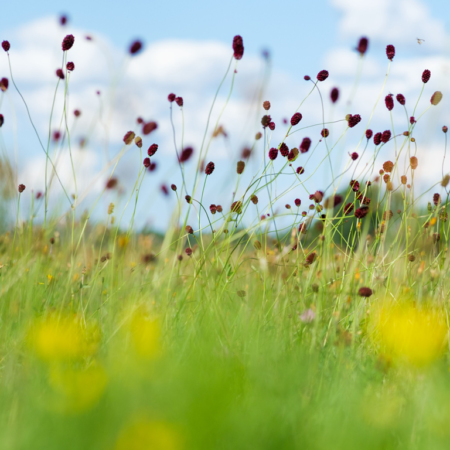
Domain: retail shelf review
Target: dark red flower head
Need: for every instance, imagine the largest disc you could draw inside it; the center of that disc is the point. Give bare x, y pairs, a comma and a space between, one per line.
63, 19
4, 83
146, 162
6, 45
325, 132
171, 97
273, 153
362, 45
77, 113
179, 101
272, 126
188, 199
236, 207
322, 75
305, 145
306, 77
412, 120
334, 95
21, 188
209, 168
300, 170
135, 47
354, 156
265, 121
56, 135
295, 119
362, 212
164, 189
148, 127
152, 167
354, 120
128, 138
173, 187
317, 196
401, 99
365, 292
354, 185
238, 47
377, 139
369, 134
67, 42
213, 208
390, 52
2, 120
426, 76
188, 251
389, 101
60, 74
70, 66
436, 199
298, 202
152, 149
284, 150
186, 154
348, 208
111, 183
266, 105
385, 136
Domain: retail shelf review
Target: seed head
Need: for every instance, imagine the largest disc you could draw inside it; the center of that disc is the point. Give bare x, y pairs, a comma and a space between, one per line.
354, 120
63, 20
305, 145
404, 179
389, 101
317, 196
4, 83
70, 66
377, 139
209, 168
388, 166
110, 209
354, 156
240, 167
171, 97
60, 74
77, 113
254, 199
236, 207
401, 99
298, 202
325, 132
385, 136
284, 150
21, 188
414, 162
67, 42
146, 162
258, 136
6, 46
138, 141
111, 183
365, 292
300, 170
390, 52
219, 208
152, 167
266, 105
238, 47
186, 154
369, 134
411, 257
128, 138
334, 95
362, 46
189, 229
426, 76
436, 98
273, 153
322, 75
386, 178
135, 47
295, 119
412, 120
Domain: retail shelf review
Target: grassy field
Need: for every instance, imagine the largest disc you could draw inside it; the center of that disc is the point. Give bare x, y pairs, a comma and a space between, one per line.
322, 325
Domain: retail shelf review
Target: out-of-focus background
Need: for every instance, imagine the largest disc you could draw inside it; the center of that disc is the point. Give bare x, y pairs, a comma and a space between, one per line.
187, 48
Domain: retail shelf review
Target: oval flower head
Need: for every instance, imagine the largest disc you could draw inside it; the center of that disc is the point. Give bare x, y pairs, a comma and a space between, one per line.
410, 333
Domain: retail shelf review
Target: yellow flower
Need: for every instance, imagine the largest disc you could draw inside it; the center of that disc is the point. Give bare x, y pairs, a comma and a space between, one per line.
145, 334
145, 434
410, 333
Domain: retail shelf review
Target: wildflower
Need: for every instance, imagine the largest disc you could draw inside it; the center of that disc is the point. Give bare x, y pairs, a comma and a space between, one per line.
317, 196
138, 141
385, 136
354, 185
403, 179
362, 212
63, 20
111, 183
60, 74
4, 83
388, 166
188, 199
389, 102
293, 154
445, 180
219, 208
209, 168
273, 153
149, 127
152, 167
322, 75
307, 316
135, 47
310, 258
354, 120
188, 251
171, 98
369, 134
300, 170
436, 98
412, 120
77, 113
240, 167
128, 138
258, 136
56, 136
377, 139
265, 121
444, 129
436, 199
325, 133
164, 189
362, 46
272, 126
173, 187
179, 101
365, 292
67, 42
266, 105
426, 76
246, 153
189, 229
236, 207
287, 206
332, 202
334, 95
306, 77
354, 156
414, 162
238, 47
70, 66
305, 145
295, 119
213, 209
186, 154
146, 162
401, 99
298, 202
284, 150
21, 188
6, 46
348, 208
390, 52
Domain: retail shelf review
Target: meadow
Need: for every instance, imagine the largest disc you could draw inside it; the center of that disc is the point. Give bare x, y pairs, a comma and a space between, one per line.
321, 325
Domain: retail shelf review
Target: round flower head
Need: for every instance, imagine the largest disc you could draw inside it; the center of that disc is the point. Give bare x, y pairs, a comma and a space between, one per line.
348, 208
60, 74
188, 251
401, 99
412, 120
293, 154
365, 292
426, 76
240, 167
390, 52
266, 105
179, 101
273, 153
70, 66
188, 199
305, 145
298, 202
135, 47
186, 154
128, 138
300, 170
63, 20
322, 75
77, 113
152, 149
209, 168
369, 134
236, 207
436, 98
213, 208
146, 162
284, 150
385, 136
138, 141
436, 199
306, 77
362, 45
4, 83
354, 185
171, 97
295, 119
354, 156
67, 42
354, 120
173, 187
272, 126
265, 121
445, 129
254, 199
389, 101
6, 46
377, 139
238, 47
362, 212
21, 188
334, 95
149, 127
325, 132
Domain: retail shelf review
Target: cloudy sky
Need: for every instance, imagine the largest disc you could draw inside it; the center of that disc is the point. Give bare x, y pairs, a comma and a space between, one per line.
187, 49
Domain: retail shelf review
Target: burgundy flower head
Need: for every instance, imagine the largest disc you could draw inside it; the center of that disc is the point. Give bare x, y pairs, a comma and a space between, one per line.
436, 199
60, 74
385, 136
173, 187
77, 113
70, 66
284, 150
164, 189
213, 208
401, 99
272, 126
135, 47
354, 156
377, 139
390, 52
171, 97
354, 120
6, 46
67, 42
63, 20
266, 105
412, 120
300, 170
21, 188
362, 45
305, 145
354, 185
348, 208
146, 162
238, 47
179, 101
295, 119
149, 127
293, 154
152, 149
369, 134
209, 168
128, 138
273, 153
306, 77
152, 167
389, 101
334, 95
298, 202
56, 135
265, 121
2, 120
317, 196
4, 83
426, 76
186, 154
322, 75
362, 212
365, 292
325, 132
